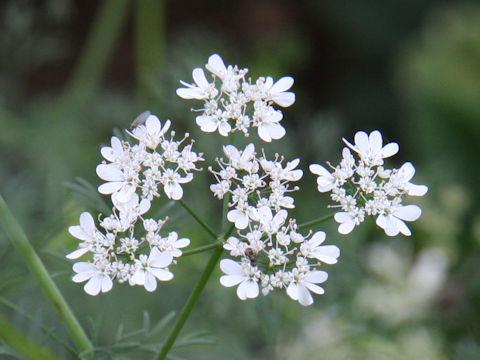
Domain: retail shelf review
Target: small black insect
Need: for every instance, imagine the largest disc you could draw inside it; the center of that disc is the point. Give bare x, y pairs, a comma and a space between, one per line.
250, 254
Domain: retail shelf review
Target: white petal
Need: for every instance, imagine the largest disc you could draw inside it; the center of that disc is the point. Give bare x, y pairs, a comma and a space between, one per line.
375, 141
173, 191
319, 170
231, 267
361, 141
162, 274
263, 133
191, 93
391, 228
249, 288
81, 277
216, 66
181, 243
84, 266
284, 99
138, 277
78, 232
292, 291
318, 238
109, 172
153, 124
317, 277
87, 223
94, 285
158, 259
416, 190
402, 227
389, 150
283, 84
150, 282
276, 131
304, 296
110, 187
77, 253
408, 212
224, 128
327, 254
199, 78
231, 280
207, 123
107, 284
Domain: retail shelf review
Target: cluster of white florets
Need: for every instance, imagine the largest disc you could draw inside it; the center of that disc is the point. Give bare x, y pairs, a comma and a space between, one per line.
366, 188
271, 252
253, 183
268, 250
236, 104
133, 175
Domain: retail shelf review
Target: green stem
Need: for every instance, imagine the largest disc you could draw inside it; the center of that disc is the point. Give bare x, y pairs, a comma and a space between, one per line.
200, 249
194, 296
106, 27
199, 220
22, 344
149, 47
315, 222
30, 257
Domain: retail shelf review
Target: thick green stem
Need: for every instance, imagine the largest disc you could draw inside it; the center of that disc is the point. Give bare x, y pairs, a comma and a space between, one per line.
315, 222
30, 257
194, 296
22, 344
198, 219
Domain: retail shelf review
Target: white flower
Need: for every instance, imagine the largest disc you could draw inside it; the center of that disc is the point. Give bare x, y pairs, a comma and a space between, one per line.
171, 181
115, 152
116, 181
240, 216
369, 147
402, 180
242, 275
201, 90
393, 221
235, 246
299, 289
227, 108
348, 220
152, 268
325, 180
327, 254
98, 280
366, 187
86, 231
278, 92
210, 123
240, 160
267, 120
173, 244
151, 133
269, 223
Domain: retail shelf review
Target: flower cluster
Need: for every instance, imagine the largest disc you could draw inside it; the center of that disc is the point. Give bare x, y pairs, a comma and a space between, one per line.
365, 187
270, 250
133, 175
236, 104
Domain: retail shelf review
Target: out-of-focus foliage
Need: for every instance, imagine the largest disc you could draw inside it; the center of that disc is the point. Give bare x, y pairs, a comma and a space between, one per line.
409, 68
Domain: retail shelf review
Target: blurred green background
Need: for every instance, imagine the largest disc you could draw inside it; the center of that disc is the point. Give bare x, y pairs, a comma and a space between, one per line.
72, 71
